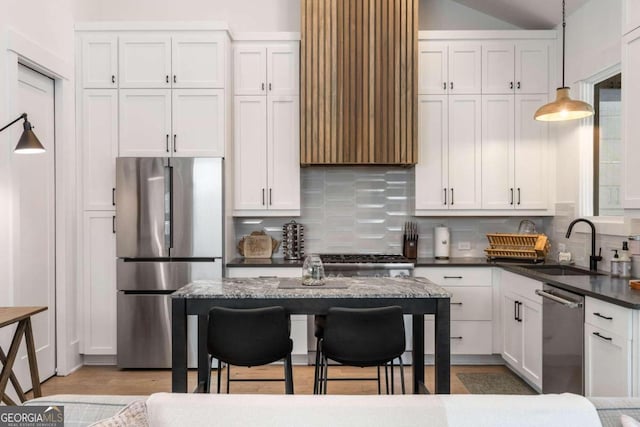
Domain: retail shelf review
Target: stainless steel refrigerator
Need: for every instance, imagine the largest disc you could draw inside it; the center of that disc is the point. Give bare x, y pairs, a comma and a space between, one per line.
168, 233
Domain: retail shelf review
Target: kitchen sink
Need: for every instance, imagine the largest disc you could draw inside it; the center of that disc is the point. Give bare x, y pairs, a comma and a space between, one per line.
561, 270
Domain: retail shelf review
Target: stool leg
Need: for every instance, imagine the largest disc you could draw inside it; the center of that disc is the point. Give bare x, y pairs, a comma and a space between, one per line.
401, 374
228, 376
392, 378
288, 375
219, 375
325, 375
207, 384
386, 377
378, 369
316, 373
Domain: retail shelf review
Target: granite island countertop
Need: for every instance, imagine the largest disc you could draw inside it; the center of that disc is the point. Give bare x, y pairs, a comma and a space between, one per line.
369, 287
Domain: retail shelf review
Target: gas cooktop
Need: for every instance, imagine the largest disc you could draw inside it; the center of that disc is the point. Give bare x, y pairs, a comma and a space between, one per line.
364, 259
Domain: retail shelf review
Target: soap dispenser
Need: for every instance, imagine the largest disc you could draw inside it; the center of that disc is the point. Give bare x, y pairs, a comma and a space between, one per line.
625, 261
615, 264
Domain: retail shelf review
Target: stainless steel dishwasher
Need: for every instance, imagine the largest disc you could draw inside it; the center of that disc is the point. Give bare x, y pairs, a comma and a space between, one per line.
562, 341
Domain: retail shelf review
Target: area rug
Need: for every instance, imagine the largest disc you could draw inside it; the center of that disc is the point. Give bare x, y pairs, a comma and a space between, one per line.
494, 383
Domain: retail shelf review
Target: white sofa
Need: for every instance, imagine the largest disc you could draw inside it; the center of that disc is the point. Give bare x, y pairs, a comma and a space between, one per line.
167, 409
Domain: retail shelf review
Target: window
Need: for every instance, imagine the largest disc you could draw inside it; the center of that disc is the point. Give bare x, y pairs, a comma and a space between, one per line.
607, 147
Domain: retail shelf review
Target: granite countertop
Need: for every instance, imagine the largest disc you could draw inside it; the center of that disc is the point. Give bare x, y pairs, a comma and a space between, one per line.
369, 287
604, 287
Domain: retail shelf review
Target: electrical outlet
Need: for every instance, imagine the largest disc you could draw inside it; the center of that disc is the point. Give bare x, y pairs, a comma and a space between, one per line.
464, 246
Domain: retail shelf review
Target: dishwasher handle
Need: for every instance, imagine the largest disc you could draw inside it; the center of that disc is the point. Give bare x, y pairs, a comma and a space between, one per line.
565, 302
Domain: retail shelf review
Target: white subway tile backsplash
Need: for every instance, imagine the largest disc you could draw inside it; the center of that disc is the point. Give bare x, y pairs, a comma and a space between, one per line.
363, 210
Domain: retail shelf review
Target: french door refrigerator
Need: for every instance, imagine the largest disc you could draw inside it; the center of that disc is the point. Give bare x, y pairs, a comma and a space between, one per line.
168, 233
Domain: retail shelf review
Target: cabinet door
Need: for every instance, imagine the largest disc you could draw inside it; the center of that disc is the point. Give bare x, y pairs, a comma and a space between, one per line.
431, 170
198, 123
498, 191
283, 152
250, 148
283, 69
145, 122
99, 283
498, 68
607, 363
531, 139
531, 315
432, 68
145, 61
465, 68
198, 61
464, 154
511, 331
532, 67
99, 61
250, 70
630, 123
99, 147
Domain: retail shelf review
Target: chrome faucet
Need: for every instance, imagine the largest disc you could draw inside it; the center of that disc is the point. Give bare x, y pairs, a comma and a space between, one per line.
593, 259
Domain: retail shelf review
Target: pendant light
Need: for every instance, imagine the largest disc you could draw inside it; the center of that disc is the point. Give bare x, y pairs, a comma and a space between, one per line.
563, 108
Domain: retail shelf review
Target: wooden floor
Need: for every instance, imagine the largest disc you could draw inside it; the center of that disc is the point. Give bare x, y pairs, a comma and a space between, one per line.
111, 380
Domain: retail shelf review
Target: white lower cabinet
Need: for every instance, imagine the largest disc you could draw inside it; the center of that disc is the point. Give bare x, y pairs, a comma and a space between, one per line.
607, 363
99, 283
471, 309
608, 355
522, 326
298, 321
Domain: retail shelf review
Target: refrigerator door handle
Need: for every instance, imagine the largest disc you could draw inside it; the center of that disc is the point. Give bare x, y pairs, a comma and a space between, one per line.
170, 208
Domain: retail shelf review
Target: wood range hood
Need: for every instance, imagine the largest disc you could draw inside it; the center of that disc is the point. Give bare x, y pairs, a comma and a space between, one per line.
358, 82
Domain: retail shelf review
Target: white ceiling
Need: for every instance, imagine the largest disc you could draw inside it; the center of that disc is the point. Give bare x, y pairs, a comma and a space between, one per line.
528, 14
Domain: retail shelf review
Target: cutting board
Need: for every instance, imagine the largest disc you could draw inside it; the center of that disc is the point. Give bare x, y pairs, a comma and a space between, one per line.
257, 245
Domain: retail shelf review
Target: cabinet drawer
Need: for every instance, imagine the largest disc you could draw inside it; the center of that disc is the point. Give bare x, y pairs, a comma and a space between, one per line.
467, 337
456, 276
607, 363
471, 303
520, 285
610, 317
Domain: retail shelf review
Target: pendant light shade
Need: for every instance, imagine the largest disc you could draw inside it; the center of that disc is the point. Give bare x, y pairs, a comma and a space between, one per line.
563, 108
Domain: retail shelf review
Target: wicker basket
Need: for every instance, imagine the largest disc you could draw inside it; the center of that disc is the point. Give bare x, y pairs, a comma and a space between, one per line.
532, 247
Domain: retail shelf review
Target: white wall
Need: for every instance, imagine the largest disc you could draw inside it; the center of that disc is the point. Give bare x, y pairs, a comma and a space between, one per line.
45, 30
266, 15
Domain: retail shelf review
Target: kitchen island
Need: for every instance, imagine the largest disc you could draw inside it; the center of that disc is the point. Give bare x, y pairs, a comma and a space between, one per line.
416, 296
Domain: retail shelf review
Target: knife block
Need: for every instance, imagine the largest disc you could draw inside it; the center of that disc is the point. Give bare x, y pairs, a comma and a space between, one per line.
410, 248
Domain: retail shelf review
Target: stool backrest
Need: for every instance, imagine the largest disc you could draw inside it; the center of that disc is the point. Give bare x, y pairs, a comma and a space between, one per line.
248, 337
364, 336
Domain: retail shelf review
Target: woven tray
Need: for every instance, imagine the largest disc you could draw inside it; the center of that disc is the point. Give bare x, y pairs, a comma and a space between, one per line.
517, 246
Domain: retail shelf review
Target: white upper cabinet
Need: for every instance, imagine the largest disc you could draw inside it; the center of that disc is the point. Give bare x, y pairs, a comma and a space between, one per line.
145, 123
266, 68
630, 124
179, 61
100, 62
449, 68
198, 61
250, 69
198, 122
514, 153
99, 142
283, 152
145, 61
250, 148
515, 67
448, 170
283, 69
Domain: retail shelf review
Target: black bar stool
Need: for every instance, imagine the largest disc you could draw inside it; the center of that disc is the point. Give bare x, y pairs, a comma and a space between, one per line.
363, 337
250, 337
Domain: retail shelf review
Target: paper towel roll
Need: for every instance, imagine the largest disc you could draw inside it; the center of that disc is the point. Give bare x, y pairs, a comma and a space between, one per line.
441, 242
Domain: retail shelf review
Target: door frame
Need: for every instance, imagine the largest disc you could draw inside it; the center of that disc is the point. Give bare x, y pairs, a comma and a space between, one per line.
19, 49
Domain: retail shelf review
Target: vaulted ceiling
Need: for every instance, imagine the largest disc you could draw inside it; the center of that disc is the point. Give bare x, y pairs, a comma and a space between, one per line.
528, 14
